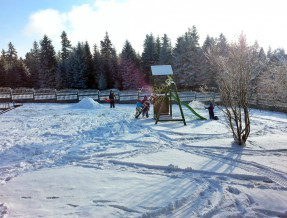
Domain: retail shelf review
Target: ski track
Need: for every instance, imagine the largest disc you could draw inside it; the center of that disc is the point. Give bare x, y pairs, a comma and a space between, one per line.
208, 199
274, 175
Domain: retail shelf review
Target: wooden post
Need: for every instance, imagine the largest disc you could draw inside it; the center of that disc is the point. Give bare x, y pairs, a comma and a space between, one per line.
10, 90
170, 103
160, 108
33, 94
181, 111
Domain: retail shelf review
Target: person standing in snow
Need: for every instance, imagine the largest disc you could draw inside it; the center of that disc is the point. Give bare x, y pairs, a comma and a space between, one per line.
112, 99
146, 103
210, 110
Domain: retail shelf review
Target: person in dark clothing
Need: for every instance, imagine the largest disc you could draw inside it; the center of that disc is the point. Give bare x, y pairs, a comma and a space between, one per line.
146, 103
210, 110
112, 99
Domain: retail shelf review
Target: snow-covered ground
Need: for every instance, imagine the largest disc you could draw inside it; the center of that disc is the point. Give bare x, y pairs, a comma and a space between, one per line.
87, 160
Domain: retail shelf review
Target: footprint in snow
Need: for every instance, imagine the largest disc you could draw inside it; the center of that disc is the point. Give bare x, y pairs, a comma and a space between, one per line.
53, 197
233, 190
101, 201
73, 205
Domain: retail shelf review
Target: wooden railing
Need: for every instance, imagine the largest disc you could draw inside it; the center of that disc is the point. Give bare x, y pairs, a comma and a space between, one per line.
26, 95
272, 105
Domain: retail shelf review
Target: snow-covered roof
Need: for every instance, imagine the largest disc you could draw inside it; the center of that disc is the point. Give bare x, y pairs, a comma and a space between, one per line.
161, 70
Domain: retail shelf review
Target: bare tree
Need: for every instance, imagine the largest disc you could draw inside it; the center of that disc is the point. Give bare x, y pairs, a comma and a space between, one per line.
272, 82
235, 73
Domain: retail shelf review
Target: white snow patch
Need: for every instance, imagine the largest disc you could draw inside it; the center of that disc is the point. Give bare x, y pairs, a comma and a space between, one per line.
59, 162
86, 103
196, 105
185, 160
88, 192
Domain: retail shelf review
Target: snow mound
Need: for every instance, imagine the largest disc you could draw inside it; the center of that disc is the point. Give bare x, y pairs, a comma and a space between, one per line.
196, 105
86, 103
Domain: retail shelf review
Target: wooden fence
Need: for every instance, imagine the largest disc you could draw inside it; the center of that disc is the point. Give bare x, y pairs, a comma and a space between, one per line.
271, 105
25, 95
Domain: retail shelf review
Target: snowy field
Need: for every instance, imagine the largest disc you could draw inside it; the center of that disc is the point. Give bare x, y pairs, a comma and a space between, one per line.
87, 160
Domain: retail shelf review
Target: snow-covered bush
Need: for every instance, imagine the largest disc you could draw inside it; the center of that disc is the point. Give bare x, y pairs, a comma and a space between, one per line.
235, 71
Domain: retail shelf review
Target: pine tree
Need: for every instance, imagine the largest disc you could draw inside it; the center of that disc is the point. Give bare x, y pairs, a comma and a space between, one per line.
179, 61
13, 77
14, 70
262, 55
61, 73
187, 57
32, 61
131, 75
3, 77
102, 82
24, 73
77, 68
114, 69
208, 43
97, 66
106, 53
260, 59
11, 54
278, 55
66, 46
195, 55
157, 48
48, 64
269, 53
207, 76
218, 47
165, 55
91, 79
149, 56
222, 45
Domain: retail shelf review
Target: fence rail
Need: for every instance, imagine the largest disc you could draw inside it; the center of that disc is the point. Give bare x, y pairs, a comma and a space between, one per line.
26, 95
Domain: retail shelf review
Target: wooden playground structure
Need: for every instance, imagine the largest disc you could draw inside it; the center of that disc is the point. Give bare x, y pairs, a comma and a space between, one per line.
164, 89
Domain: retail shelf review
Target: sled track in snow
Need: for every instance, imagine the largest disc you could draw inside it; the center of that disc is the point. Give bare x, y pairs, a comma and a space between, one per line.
202, 202
275, 175
165, 140
199, 204
191, 205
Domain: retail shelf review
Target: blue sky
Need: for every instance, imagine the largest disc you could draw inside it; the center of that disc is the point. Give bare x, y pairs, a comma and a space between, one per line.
14, 17
24, 21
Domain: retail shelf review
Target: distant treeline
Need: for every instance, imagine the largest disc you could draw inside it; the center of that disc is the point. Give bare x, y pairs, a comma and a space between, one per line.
101, 67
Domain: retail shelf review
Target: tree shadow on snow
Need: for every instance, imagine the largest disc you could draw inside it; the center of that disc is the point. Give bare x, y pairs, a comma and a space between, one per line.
226, 162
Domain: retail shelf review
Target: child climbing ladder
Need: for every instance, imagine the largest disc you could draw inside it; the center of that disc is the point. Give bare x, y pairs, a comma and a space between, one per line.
143, 107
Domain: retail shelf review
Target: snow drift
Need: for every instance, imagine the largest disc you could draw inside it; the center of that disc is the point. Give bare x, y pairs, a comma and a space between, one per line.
86, 103
196, 105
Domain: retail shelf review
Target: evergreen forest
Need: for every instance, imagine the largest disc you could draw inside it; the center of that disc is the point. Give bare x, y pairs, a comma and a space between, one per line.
82, 66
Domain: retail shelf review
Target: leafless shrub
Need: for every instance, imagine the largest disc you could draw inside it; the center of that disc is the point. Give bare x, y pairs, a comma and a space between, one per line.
235, 72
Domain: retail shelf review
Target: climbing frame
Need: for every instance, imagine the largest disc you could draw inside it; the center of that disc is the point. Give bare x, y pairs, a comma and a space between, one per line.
164, 87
